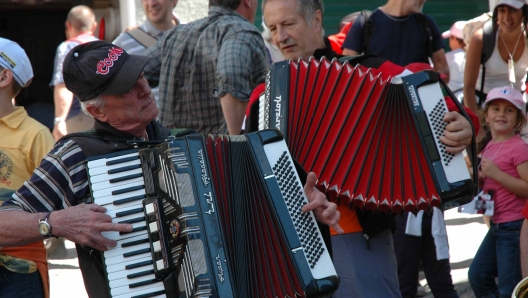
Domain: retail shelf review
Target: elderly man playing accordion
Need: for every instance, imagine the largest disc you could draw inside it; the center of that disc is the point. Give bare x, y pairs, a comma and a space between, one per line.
56, 200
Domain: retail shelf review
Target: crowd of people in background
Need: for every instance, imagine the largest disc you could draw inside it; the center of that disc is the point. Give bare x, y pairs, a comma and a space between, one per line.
207, 75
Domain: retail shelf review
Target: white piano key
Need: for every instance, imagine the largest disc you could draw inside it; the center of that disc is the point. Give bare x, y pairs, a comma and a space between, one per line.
106, 177
121, 258
158, 287
104, 170
127, 290
112, 198
122, 250
107, 185
102, 162
108, 191
123, 274
126, 281
121, 266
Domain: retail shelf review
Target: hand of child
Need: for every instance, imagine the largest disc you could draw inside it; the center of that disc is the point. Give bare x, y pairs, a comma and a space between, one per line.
489, 168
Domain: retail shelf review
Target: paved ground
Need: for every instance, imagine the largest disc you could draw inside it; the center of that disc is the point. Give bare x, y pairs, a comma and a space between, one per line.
465, 234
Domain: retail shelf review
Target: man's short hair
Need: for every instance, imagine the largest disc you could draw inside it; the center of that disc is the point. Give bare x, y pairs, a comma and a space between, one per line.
81, 18
306, 8
231, 4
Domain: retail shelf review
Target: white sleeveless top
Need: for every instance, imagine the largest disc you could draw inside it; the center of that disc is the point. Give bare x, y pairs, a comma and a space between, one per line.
497, 70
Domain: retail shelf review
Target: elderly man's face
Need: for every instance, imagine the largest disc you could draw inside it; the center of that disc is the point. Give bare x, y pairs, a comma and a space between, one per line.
132, 110
290, 31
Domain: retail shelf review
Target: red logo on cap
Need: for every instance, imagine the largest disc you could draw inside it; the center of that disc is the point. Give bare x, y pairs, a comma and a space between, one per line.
103, 66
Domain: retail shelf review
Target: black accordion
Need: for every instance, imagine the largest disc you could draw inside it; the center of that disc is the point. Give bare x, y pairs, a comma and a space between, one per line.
373, 142
213, 217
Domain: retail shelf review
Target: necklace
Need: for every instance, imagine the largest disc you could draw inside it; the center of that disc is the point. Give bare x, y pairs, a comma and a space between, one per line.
487, 147
511, 64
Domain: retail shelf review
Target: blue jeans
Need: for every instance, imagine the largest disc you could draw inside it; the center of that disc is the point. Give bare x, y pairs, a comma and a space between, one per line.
365, 273
498, 256
27, 285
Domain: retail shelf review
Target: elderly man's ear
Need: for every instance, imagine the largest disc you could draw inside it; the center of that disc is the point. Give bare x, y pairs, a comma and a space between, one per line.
97, 112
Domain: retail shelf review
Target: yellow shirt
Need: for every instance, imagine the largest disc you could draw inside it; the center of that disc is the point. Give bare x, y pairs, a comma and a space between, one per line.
23, 144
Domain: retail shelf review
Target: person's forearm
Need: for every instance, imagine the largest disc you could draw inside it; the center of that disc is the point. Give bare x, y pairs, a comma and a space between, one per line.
516, 185
524, 249
470, 99
62, 98
234, 113
18, 228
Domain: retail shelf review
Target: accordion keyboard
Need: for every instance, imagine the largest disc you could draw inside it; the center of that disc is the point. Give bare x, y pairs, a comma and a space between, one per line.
117, 184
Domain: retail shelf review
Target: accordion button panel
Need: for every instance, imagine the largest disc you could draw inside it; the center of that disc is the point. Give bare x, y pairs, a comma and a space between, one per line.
312, 243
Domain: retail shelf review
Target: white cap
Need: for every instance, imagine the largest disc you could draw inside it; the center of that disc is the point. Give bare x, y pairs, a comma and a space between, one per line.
14, 58
513, 3
456, 30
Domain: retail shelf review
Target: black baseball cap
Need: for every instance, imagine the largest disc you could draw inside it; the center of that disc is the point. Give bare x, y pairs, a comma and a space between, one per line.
99, 67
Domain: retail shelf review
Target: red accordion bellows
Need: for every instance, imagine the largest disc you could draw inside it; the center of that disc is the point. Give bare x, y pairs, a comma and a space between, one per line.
359, 134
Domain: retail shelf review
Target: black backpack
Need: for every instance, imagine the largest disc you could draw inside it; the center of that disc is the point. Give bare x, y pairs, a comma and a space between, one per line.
488, 44
425, 25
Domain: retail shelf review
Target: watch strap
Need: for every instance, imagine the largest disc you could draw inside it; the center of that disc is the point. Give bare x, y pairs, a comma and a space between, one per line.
45, 218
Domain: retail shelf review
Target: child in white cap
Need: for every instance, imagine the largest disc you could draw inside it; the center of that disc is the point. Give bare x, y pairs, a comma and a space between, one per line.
24, 142
503, 173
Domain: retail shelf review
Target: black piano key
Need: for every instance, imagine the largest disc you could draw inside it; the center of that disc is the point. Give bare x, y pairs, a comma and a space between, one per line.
121, 160
128, 177
131, 199
150, 294
137, 265
123, 169
132, 243
143, 283
139, 274
128, 189
128, 212
135, 253
136, 229
133, 220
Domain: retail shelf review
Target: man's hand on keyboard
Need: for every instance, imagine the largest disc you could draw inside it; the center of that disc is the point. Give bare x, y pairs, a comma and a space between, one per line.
458, 133
83, 224
324, 211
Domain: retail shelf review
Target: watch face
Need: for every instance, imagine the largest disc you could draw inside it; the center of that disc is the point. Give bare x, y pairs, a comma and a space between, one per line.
44, 228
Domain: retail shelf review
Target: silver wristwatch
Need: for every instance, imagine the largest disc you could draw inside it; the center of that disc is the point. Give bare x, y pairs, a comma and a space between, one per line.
44, 227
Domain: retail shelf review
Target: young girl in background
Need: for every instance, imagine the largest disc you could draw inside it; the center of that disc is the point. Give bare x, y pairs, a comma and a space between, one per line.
504, 173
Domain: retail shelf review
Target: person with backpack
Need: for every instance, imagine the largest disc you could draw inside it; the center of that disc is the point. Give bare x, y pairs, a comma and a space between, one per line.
498, 52
400, 33
160, 18
80, 26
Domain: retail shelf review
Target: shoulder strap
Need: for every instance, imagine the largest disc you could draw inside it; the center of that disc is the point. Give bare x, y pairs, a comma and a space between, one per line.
488, 41
427, 39
368, 24
142, 37
96, 142
488, 44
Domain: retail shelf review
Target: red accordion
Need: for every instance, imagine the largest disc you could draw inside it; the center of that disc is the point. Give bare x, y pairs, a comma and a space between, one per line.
372, 142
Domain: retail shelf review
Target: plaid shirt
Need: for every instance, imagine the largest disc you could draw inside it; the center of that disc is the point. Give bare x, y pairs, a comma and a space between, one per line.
198, 63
